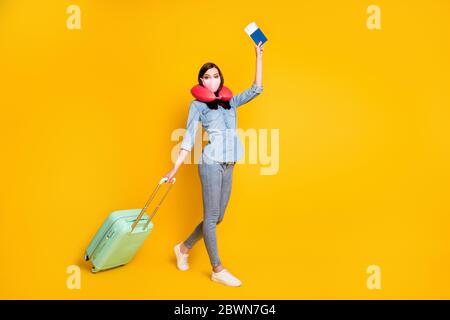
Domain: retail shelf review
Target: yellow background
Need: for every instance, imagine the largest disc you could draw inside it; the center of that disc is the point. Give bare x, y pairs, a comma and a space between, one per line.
86, 119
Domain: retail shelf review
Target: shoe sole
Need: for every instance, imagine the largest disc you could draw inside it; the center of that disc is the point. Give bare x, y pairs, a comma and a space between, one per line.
176, 256
224, 283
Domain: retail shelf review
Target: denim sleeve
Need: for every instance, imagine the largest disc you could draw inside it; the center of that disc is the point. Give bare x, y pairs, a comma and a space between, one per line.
246, 95
191, 127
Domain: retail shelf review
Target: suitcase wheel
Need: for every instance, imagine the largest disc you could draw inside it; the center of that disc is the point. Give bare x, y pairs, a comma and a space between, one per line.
86, 257
93, 270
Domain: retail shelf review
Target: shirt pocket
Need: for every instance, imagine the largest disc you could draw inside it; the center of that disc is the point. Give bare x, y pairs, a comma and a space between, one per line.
211, 116
230, 116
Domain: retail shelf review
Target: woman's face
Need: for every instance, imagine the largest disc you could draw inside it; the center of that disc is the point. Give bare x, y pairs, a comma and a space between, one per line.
211, 80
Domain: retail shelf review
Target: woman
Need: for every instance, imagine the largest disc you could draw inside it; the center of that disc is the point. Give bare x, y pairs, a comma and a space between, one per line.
224, 149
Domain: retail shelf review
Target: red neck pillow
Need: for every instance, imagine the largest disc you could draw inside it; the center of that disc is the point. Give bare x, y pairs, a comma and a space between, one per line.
204, 95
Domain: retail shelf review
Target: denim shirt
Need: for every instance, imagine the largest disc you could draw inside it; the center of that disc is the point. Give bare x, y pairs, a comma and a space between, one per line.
224, 144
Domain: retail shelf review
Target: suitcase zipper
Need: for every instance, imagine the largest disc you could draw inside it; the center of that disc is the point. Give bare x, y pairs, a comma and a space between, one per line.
104, 234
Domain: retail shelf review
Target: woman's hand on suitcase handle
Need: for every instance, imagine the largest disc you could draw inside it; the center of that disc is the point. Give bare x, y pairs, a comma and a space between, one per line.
181, 156
170, 175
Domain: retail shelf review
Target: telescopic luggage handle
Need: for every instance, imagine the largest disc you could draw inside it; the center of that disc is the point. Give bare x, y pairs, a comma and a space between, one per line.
163, 180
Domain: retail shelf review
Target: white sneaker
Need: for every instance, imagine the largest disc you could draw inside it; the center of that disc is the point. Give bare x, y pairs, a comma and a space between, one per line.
182, 258
225, 277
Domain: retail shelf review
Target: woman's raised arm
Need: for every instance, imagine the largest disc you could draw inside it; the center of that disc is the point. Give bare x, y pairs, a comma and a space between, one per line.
258, 75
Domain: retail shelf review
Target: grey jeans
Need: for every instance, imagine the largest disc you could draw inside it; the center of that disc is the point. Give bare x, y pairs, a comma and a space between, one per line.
216, 178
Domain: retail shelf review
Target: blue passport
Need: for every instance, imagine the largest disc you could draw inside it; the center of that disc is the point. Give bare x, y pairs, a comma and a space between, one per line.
255, 33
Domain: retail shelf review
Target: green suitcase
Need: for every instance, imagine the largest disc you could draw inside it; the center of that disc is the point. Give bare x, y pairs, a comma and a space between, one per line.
122, 234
